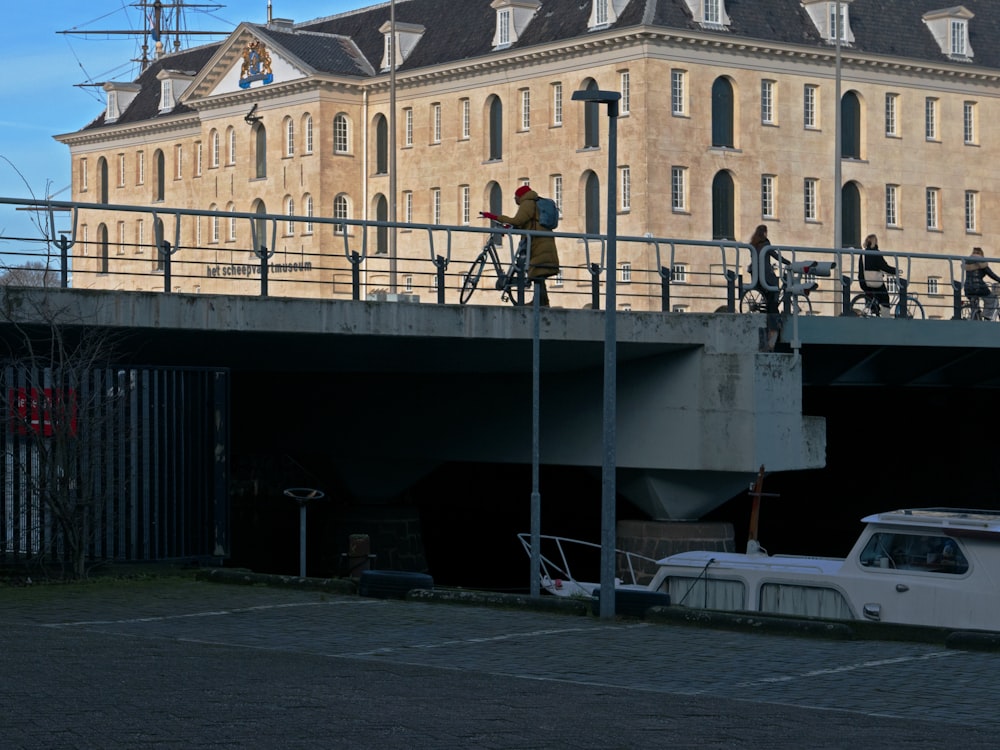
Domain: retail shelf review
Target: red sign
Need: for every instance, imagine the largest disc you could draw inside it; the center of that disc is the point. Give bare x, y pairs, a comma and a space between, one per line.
54, 411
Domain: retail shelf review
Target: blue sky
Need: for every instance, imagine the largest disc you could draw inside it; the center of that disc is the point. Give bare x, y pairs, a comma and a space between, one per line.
39, 97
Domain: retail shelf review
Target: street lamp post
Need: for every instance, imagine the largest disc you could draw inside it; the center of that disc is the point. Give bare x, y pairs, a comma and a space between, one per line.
607, 604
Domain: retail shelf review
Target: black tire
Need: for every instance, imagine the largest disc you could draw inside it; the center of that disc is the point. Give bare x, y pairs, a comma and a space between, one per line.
753, 301
392, 584
804, 303
914, 310
472, 278
860, 306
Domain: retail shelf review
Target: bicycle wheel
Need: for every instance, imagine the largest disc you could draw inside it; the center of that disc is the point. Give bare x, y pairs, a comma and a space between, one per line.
472, 278
753, 301
804, 305
969, 312
860, 306
914, 310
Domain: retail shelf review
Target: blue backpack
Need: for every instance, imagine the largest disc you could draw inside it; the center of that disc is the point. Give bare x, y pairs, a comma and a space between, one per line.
548, 213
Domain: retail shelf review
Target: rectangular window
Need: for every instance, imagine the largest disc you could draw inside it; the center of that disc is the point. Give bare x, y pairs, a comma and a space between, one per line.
436, 205
678, 105
971, 211
436, 117
713, 11
309, 134
767, 102
891, 126
679, 274
466, 119
601, 12
140, 231
525, 109
958, 38
197, 231
121, 237
838, 24
892, 205
408, 207
626, 272
83, 175
557, 191
121, 170
678, 188
179, 161
503, 30
197, 159
466, 204
810, 117
289, 137
340, 135
767, 196
933, 285
407, 127
930, 118
140, 168
557, 104
626, 101
969, 123
933, 208
232, 146
408, 283
626, 188
809, 194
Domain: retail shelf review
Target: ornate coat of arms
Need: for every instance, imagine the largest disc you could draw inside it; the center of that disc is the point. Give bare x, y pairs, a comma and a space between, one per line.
256, 64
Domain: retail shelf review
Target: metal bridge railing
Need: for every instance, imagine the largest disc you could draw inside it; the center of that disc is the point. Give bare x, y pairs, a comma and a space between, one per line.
172, 250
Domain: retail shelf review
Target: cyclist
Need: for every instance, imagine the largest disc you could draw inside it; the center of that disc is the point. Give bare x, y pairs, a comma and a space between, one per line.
767, 256
976, 271
544, 261
873, 265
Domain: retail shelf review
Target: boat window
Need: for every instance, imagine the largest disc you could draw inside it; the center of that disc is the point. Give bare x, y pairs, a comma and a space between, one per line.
804, 601
936, 553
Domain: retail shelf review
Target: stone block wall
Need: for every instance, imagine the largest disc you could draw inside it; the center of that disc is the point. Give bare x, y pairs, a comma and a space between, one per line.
658, 539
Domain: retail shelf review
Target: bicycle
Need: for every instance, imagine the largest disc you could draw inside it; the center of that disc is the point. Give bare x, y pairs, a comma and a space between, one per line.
973, 308
753, 300
864, 305
508, 282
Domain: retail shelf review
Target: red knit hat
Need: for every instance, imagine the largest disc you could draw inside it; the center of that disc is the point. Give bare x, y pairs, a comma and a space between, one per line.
521, 191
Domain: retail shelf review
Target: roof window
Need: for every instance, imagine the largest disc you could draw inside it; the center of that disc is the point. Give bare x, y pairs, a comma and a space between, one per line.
120, 96
710, 14
513, 17
950, 27
824, 17
407, 36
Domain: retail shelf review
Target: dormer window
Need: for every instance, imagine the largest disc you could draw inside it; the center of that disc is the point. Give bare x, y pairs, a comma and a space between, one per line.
950, 28
173, 83
824, 17
120, 96
407, 36
604, 13
513, 17
710, 14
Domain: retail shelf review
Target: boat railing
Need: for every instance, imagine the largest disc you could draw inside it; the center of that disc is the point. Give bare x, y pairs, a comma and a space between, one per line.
556, 552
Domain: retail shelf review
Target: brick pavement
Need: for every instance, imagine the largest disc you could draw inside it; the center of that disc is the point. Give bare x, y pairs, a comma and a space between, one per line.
179, 663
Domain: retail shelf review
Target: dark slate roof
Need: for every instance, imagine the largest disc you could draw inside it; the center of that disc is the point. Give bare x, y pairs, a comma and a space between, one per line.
146, 105
323, 52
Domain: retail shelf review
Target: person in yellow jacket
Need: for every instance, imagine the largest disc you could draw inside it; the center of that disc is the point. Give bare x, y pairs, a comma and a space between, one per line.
544, 260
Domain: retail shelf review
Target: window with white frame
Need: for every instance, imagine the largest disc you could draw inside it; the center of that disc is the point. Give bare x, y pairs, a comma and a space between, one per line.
178, 161
767, 90
121, 238
892, 205
140, 168
971, 211
678, 92
340, 211
435, 205
503, 27
933, 202
83, 174
232, 146
525, 109
626, 188
810, 192
231, 208
197, 159
557, 104
290, 211
834, 23
308, 127
931, 118
959, 37
810, 114
679, 273
197, 231
408, 207
557, 191
465, 203
969, 129
466, 109
601, 12
767, 196
558, 279
215, 223
213, 149
140, 235
408, 127
678, 188
933, 285
625, 103
891, 283
289, 136
408, 283
341, 134
713, 12
436, 123
310, 208
891, 119
626, 272
121, 170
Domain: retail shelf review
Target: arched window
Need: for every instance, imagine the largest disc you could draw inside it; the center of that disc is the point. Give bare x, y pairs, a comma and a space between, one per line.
850, 121
159, 260
592, 203
214, 156
231, 139
381, 145
260, 228
260, 150
340, 211
289, 136
341, 135
722, 113
850, 217
723, 207
290, 211
381, 233
495, 198
496, 128
215, 223
307, 129
231, 208
102, 239
161, 167
102, 172
591, 119
308, 202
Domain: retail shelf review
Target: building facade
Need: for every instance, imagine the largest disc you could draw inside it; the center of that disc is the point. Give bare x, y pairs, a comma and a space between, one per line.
728, 119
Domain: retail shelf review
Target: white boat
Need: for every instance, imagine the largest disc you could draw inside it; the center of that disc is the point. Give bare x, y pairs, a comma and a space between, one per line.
936, 567
558, 554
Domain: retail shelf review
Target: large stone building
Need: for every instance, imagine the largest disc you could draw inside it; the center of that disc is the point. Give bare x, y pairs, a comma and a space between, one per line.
728, 119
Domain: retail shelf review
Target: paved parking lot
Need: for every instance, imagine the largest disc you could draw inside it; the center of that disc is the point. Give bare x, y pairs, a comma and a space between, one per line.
179, 663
